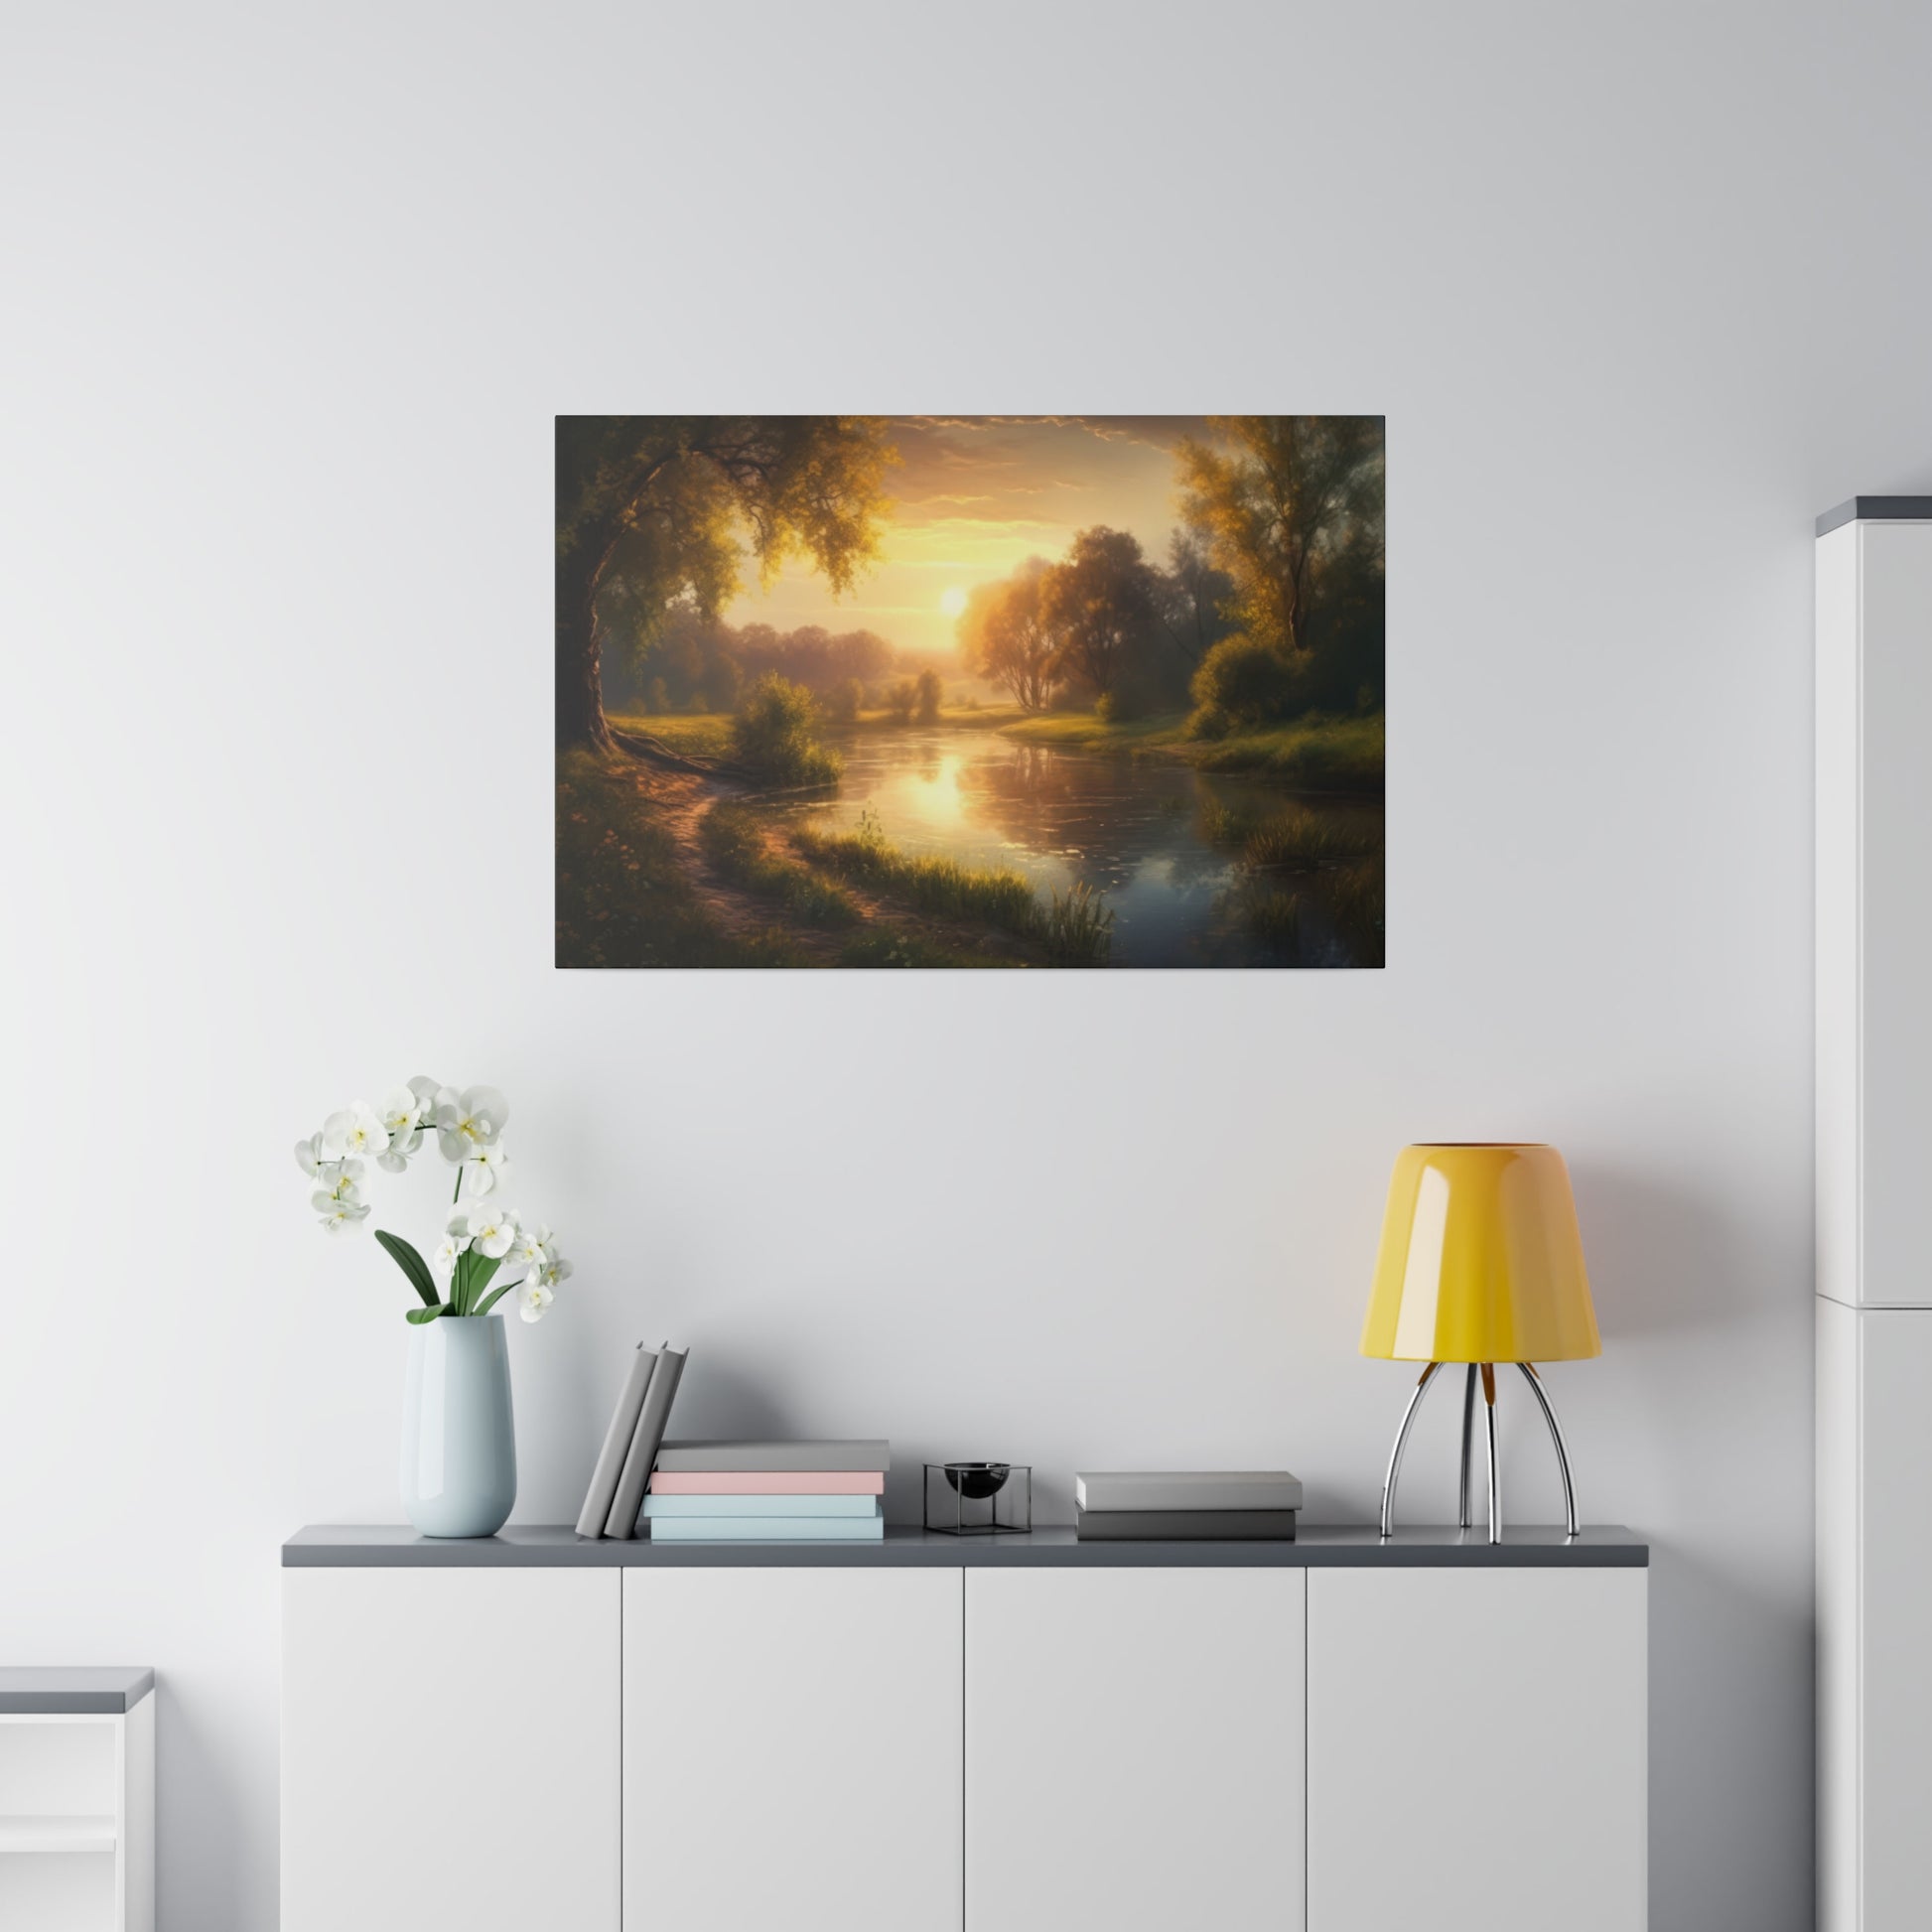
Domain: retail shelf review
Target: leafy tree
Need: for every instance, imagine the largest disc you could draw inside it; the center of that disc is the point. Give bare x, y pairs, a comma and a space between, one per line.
1280, 502
901, 700
1098, 603
1004, 636
847, 696
1191, 592
930, 692
649, 508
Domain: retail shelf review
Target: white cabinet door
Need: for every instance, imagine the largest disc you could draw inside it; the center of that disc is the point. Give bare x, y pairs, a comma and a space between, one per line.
791, 1751
1895, 901
1895, 1548
1133, 1749
1476, 1750
450, 1750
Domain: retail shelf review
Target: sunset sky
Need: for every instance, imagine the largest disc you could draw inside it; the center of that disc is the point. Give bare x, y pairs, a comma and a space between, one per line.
973, 496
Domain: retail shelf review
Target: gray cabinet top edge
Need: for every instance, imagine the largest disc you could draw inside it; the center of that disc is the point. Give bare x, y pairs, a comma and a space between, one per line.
1317, 1546
1877, 510
79, 1690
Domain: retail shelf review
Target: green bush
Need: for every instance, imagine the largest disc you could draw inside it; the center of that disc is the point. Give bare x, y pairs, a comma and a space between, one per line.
845, 701
1241, 682
928, 692
772, 733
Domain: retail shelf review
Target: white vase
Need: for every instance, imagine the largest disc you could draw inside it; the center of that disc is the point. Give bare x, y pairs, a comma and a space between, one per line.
459, 1438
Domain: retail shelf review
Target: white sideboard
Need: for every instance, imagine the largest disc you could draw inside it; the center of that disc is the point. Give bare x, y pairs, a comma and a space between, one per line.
1020, 1734
1874, 880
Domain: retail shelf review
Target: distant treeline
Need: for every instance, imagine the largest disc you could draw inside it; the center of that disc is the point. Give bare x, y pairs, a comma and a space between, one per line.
689, 661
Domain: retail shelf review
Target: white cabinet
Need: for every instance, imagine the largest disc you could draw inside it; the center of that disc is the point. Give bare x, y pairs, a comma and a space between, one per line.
450, 1750
791, 1755
531, 1733
1873, 1178
1476, 1750
1133, 1749
76, 1819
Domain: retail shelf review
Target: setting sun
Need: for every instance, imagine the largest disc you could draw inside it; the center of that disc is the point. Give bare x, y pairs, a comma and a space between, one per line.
952, 600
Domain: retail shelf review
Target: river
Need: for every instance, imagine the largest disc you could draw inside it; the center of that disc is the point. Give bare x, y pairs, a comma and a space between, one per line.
1132, 829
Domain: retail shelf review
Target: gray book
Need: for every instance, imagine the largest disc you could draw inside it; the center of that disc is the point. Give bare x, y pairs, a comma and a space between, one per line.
1187, 1526
1189, 1489
617, 1445
645, 1441
739, 1459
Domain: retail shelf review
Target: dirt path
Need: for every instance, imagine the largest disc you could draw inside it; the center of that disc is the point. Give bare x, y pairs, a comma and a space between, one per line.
679, 802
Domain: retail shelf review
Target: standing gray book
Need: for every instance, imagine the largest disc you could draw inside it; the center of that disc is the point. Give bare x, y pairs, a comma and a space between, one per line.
741, 1458
617, 1445
1189, 1489
644, 1439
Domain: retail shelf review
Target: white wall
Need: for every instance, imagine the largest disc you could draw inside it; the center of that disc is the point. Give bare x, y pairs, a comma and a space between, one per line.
289, 305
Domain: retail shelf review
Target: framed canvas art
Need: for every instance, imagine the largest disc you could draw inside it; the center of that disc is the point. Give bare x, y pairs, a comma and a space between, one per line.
970, 691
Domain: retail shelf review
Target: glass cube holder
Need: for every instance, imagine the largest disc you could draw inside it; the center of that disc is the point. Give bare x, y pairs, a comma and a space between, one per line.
979, 1498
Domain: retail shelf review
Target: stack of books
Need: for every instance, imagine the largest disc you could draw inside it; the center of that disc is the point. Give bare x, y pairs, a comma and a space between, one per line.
1210, 1506
773, 1492
617, 1493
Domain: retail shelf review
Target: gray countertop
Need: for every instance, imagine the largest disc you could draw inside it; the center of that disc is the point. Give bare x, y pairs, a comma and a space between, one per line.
545, 1546
63, 1689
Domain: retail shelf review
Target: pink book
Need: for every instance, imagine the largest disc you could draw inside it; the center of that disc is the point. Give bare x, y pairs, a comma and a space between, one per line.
770, 1483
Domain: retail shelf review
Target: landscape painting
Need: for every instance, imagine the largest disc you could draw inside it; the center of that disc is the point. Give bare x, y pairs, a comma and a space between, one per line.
987, 691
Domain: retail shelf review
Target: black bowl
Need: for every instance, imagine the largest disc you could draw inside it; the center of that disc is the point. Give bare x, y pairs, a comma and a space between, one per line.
978, 1480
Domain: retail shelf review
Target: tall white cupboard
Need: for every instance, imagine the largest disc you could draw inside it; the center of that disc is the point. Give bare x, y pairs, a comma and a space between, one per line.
1873, 1214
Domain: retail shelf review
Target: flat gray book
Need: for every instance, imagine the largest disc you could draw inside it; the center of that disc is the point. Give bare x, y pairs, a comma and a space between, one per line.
627, 1504
739, 1459
1185, 1526
617, 1445
1189, 1489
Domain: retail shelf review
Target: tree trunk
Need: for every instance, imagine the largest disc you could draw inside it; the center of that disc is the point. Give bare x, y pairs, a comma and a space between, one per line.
579, 669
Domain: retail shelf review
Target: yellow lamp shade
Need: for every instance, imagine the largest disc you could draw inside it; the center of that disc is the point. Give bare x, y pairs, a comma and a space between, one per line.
1481, 1259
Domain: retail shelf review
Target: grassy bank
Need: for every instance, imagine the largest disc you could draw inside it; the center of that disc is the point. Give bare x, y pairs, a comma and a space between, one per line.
1315, 754
1075, 927
709, 733
736, 844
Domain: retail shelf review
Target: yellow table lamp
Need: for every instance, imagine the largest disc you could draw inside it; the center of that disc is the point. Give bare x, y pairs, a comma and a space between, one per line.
1480, 1263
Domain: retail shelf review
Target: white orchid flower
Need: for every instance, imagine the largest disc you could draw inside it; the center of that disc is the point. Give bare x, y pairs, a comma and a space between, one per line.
491, 1232
468, 1121
532, 1247
356, 1130
551, 1271
395, 1158
340, 1213
308, 1155
400, 1111
486, 1171
531, 1300
339, 1180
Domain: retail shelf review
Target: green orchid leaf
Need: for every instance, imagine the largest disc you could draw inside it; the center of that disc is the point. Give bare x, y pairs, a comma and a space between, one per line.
420, 1316
412, 1265
480, 1276
494, 1296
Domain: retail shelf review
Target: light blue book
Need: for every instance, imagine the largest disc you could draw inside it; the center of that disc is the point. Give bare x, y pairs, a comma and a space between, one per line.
662, 1506
767, 1529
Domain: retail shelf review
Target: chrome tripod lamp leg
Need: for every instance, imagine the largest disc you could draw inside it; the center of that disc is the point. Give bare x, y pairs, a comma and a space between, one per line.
1495, 1468
1555, 1436
1464, 1516
1401, 1439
